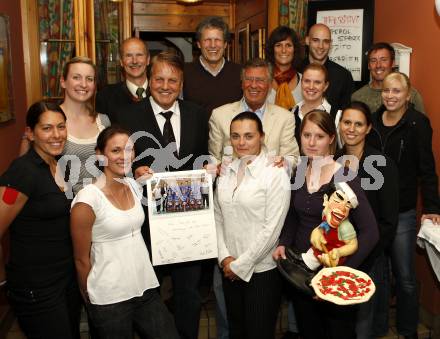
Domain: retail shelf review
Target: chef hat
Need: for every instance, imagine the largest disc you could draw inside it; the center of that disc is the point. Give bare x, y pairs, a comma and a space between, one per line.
343, 186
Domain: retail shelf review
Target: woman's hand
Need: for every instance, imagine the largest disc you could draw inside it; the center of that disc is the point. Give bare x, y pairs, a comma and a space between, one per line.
226, 265
280, 252
434, 217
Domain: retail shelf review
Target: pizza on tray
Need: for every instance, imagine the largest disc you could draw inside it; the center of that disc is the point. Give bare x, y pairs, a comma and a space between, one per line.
343, 285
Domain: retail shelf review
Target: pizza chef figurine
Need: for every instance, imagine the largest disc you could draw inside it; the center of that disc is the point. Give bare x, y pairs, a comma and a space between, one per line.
334, 239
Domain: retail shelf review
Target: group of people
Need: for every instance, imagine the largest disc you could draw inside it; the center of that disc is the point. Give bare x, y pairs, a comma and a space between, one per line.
248, 124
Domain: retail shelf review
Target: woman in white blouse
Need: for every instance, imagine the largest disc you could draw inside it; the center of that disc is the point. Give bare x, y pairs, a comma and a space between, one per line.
115, 275
250, 207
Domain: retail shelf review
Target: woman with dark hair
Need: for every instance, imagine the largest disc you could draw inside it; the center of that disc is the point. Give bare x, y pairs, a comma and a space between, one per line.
115, 275
381, 186
405, 135
283, 51
250, 206
41, 286
320, 319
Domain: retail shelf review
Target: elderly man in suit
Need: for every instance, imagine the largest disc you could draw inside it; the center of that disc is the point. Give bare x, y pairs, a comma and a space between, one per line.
278, 123
171, 134
113, 98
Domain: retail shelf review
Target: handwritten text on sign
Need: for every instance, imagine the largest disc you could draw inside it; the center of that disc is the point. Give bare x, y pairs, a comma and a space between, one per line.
346, 27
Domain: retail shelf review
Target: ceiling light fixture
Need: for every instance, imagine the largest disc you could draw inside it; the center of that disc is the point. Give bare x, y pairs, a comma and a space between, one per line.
188, 2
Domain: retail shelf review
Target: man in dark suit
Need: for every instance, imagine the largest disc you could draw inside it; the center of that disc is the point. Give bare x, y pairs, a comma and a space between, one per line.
171, 134
113, 99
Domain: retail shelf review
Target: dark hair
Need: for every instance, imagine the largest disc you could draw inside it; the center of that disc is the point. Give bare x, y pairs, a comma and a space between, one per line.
324, 121
121, 48
317, 67
255, 63
249, 116
108, 133
279, 34
169, 57
38, 108
213, 22
361, 107
381, 45
83, 60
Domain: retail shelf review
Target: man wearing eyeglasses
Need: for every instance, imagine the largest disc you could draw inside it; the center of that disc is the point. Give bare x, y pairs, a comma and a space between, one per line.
380, 63
278, 123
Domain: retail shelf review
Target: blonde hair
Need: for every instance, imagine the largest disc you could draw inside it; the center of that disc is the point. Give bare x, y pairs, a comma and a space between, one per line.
399, 76
83, 60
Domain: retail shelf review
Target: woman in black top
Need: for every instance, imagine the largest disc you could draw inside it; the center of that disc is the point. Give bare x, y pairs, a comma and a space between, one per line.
42, 287
379, 179
405, 135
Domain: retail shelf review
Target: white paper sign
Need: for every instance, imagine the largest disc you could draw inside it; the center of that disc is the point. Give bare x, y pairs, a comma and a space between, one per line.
346, 27
181, 216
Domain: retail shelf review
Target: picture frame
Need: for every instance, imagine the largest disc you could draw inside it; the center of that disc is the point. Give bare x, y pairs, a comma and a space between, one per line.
346, 10
243, 50
258, 43
6, 97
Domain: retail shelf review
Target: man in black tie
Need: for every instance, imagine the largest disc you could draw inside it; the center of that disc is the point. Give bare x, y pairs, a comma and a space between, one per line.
171, 134
113, 98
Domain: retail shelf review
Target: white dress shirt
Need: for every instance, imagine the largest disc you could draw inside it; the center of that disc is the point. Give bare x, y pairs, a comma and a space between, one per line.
249, 218
175, 118
133, 88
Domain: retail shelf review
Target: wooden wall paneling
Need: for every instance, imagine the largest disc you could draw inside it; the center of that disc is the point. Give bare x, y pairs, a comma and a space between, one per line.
272, 15
31, 50
89, 35
80, 24
127, 27
249, 8
172, 17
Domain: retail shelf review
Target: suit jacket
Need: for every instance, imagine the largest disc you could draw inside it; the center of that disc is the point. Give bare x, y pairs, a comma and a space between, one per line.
139, 117
278, 126
113, 99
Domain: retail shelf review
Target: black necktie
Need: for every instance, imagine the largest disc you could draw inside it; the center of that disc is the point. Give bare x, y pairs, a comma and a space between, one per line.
139, 92
168, 134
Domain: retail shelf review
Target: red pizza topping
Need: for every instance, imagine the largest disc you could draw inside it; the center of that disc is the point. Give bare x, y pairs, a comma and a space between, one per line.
344, 285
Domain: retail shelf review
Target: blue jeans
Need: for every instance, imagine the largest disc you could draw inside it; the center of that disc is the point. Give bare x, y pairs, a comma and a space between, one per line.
147, 314
372, 318
403, 266
220, 310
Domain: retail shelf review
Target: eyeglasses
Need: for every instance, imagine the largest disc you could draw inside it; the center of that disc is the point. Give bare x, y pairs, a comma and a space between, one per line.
259, 81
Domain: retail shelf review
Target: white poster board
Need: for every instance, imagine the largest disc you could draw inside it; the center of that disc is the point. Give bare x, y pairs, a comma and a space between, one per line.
347, 29
181, 217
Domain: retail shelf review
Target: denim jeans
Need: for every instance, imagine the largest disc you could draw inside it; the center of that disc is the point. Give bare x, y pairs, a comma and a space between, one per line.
51, 312
372, 319
221, 317
403, 267
146, 314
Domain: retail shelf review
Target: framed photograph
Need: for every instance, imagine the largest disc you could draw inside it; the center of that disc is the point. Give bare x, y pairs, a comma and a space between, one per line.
258, 43
181, 217
243, 50
6, 98
352, 24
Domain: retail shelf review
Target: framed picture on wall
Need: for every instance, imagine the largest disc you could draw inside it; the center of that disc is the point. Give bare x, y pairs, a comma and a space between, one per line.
243, 50
258, 42
352, 25
6, 98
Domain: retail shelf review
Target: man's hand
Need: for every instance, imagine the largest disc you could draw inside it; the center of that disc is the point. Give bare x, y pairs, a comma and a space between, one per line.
434, 217
228, 273
143, 173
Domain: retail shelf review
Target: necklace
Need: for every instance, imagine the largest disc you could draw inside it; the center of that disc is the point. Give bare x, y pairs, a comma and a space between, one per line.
118, 203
